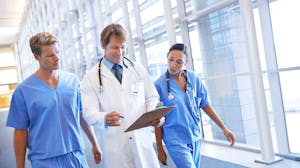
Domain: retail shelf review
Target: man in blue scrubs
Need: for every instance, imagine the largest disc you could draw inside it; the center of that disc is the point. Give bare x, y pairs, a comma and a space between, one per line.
182, 129
46, 113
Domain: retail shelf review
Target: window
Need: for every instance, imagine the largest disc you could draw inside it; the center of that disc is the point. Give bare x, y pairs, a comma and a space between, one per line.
220, 58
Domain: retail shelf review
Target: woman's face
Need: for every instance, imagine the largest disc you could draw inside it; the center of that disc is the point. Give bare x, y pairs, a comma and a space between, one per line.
176, 61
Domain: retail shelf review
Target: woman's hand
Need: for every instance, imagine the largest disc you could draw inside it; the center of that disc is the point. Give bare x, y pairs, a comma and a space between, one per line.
229, 135
158, 122
162, 157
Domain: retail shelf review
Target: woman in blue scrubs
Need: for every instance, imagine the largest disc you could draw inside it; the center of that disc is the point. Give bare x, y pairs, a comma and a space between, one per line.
182, 129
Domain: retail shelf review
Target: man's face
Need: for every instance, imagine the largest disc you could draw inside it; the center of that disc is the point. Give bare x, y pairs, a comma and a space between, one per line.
114, 50
49, 58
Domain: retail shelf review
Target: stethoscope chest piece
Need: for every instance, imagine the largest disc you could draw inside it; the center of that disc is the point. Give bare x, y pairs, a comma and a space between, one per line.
101, 89
170, 96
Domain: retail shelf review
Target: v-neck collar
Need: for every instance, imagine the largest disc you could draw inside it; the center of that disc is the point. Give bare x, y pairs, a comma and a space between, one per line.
177, 85
46, 85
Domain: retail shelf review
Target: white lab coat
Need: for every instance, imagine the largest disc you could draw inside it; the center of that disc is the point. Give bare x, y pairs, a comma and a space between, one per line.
136, 94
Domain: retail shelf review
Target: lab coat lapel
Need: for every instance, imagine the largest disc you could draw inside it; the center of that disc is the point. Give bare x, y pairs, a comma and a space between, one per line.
126, 76
106, 73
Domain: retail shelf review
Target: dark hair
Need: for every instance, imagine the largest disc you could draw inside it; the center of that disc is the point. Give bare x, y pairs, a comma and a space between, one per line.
40, 39
180, 47
111, 29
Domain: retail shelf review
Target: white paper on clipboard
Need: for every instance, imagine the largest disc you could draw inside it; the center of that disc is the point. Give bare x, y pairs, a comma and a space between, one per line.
145, 119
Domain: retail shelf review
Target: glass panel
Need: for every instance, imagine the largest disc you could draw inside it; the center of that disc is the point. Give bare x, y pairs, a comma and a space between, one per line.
220, 58
286, 28
112, 2
147, 14
141, 1
132, 17
222, 49
117, 15
196, 5
286, 36
156, 53
289, 84
269, 100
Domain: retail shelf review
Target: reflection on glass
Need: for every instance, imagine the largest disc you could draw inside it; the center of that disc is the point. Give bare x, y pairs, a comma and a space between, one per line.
220, 58
194, 6
147, 14
156, 54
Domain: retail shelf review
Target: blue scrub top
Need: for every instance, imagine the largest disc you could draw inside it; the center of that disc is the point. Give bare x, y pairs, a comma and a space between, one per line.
51, 116
182, 124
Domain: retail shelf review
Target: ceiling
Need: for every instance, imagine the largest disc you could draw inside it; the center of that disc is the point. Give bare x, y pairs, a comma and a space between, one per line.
11, 13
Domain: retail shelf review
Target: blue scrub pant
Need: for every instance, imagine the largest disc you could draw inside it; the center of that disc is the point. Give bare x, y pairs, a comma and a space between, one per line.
185, 155
74, 159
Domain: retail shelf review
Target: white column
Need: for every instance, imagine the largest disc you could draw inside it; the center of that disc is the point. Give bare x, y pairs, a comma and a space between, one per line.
128, 28
139, 33
107, 15
277, 106
98, 15
185, 32
267, 151
170, 23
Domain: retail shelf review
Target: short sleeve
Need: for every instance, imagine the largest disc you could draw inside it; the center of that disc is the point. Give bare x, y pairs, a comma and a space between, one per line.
202, 93
18, 113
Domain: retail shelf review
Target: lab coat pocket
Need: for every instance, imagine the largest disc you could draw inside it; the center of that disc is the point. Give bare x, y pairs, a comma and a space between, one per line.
137, 88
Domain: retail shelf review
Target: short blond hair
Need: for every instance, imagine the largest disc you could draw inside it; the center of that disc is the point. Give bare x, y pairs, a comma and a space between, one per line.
41, 39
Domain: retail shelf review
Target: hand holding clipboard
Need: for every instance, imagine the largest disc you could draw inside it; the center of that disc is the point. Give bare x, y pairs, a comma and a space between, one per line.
146, 119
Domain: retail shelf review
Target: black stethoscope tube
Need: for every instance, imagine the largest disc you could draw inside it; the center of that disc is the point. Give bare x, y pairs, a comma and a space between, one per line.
99, 69
170, 95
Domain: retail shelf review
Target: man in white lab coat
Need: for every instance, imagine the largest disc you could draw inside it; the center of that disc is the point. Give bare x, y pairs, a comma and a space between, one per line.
114, 94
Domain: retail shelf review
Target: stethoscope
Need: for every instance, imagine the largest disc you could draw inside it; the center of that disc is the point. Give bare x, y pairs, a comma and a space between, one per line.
170, 94
99, 70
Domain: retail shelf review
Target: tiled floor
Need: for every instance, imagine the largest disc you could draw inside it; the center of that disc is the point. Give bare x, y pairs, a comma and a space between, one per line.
242, 157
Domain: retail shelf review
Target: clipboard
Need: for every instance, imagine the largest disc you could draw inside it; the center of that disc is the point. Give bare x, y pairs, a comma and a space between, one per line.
145, 119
